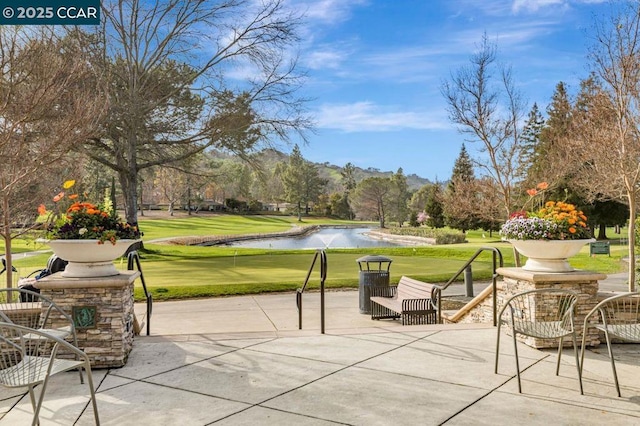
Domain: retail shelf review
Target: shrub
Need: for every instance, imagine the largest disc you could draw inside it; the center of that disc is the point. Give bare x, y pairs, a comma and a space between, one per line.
441, 236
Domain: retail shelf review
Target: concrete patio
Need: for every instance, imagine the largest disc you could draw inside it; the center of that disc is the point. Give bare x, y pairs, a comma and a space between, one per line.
242, 360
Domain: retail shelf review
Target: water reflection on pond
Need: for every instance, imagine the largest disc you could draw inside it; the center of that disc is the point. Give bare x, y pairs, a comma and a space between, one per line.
321, 239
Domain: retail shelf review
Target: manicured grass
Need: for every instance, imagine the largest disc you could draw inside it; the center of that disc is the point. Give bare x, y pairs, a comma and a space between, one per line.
174, 272
213, 224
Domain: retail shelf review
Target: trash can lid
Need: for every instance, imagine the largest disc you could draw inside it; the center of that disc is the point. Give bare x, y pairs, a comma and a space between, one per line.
374, 258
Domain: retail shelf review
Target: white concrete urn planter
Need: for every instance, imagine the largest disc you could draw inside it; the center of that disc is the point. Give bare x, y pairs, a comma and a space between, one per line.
88, 258
549, 255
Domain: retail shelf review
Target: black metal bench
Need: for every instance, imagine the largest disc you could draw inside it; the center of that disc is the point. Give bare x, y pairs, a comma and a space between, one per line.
413, 301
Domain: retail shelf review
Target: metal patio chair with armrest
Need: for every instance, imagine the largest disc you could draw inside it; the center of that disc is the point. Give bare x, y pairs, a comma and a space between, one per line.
33, 310
29, 357
543, 314
619, 318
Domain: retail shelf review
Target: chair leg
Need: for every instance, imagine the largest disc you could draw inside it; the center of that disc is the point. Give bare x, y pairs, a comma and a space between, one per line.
36, 413
575, 351
515, 350
495, 371
613, 363
560, 343
75, 343
32, 397
94, 403
582, 350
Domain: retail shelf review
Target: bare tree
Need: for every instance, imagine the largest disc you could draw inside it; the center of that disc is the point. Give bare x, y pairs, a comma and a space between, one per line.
607, 130
489, 110
371, 199
48, 105
186, 75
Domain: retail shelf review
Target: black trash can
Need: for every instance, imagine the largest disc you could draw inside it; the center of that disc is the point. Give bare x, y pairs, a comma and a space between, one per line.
374, 271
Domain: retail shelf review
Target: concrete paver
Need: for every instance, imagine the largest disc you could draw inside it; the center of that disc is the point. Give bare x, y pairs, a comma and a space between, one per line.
241, 361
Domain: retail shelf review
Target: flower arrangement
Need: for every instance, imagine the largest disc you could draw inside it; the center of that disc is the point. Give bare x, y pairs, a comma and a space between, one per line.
85, 221
555, 220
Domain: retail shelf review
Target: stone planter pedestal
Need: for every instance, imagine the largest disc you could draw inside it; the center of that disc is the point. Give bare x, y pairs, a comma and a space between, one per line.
102, 311
585, 283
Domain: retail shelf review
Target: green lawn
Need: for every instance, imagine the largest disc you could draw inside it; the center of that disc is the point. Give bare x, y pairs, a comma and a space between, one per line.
173, 272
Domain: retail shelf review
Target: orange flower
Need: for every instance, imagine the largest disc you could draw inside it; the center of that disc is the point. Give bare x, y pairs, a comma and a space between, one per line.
542, 186
532, 192
58, 197
42, 210
572, 230
73, 196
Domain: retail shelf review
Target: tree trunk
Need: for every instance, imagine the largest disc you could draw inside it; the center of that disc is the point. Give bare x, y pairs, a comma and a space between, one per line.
381, 214
602, 232
6, 232
129, 184
632, 241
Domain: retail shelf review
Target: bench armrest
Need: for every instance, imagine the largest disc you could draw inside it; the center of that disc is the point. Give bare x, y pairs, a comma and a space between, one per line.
411, 305
383, 291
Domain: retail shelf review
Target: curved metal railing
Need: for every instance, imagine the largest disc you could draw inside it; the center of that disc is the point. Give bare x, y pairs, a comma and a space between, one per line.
497, 255
323, 276
133, 259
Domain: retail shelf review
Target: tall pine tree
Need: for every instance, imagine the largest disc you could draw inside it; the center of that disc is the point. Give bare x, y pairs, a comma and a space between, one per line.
460, 187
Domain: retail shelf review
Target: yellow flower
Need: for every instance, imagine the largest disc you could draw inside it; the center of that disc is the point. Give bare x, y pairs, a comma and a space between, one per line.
68, 184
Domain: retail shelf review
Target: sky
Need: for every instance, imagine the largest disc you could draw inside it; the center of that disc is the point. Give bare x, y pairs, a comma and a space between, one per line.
375, 70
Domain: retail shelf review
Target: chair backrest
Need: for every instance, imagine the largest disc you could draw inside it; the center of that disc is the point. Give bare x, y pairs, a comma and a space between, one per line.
25, 355
621, 311
543, 305
31, 309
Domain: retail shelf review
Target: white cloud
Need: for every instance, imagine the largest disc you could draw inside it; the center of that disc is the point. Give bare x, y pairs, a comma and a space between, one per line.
324, 58
369, 117
328, 11
550, 5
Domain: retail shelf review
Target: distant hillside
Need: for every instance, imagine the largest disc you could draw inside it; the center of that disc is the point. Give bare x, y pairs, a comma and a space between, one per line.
331, 172
270, 157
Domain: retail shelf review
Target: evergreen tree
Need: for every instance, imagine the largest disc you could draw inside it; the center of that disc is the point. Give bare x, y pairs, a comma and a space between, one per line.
434, 207
462, 168
460, 215
399, 195
293, 180
530, 147
349, 185
555, 131
419, 198
313, 184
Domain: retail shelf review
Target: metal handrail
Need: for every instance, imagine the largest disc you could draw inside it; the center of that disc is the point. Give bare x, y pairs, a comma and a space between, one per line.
323, 277
133, 259
494, 279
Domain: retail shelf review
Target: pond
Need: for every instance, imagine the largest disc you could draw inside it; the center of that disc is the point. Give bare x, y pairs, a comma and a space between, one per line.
322, 239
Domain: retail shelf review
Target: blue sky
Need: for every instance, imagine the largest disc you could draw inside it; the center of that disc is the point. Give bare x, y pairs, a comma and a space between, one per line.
375, 68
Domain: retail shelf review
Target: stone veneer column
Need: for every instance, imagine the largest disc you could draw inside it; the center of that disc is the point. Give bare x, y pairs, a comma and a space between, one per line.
585, 283
107, 337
